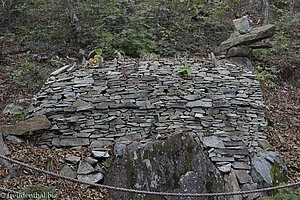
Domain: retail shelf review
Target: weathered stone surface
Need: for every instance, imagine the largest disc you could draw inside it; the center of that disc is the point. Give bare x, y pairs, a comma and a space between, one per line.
72, 159
243, 51
80, 103
235, 186
84, 168
100, 154
213, 141
68, 171
225, 168
55, 142
3, 148
101, 143
119, 148
141, 168
91, 178
267, 168
91, 160
241, 24
60, 70
71, 142
254, 35
39, 122
14, 139
242, 176
199, 103
244, 61
241, 165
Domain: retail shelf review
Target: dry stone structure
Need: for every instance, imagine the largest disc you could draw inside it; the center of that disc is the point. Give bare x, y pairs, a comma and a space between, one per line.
220, 107
140, 99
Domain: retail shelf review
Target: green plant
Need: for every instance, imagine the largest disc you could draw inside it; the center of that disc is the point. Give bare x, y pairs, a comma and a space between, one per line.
38, 192
185, 69
294, 165
27, 74
20, 113
50, 166
285, 194
97, 58
267, 75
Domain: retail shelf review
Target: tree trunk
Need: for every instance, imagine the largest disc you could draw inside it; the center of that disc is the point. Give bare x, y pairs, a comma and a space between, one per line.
266, 11
7, 5
75, 23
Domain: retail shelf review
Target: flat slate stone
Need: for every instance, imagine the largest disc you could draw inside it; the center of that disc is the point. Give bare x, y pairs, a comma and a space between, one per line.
84, 168
222, 159
68, 171
36, 123
72, 159
71, 142
100, 154
199, 103
243, 176
241, 165
101, 143
225, 168
213, 141
91, 178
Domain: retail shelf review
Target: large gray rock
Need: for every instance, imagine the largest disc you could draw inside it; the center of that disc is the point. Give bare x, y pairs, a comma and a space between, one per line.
36, 123
267, 168
177, 164
256, 34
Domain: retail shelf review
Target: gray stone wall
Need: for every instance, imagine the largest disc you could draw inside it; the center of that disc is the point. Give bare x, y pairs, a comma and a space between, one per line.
131, 100
220, 107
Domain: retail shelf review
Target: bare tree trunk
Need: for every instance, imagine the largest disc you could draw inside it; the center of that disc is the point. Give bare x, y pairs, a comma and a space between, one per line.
292, 5
75, 23
7, 5
266, 11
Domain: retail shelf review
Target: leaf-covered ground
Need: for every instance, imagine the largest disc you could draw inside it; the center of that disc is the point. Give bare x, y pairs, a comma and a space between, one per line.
35, 156
284, 125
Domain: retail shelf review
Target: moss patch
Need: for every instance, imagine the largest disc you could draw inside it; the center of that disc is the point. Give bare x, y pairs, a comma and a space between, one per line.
276, 176
129, 169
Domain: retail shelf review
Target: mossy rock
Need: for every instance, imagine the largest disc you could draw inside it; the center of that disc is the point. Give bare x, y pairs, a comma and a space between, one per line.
176, 164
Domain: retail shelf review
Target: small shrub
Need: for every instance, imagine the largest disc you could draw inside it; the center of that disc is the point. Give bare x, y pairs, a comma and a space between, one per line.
19, 114
37, 192
286, 194
27, 75
267, 75
185, 69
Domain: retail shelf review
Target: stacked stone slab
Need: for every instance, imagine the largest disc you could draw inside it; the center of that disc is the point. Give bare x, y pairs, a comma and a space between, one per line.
244, 39
139, 99
130, 100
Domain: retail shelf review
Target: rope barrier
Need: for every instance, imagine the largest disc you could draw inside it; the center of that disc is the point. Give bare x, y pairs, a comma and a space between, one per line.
147, 192
9, 191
